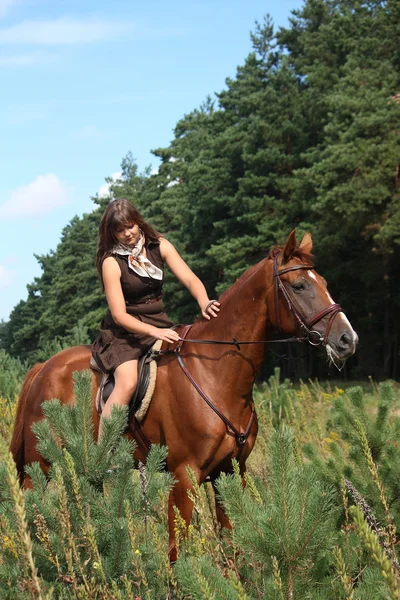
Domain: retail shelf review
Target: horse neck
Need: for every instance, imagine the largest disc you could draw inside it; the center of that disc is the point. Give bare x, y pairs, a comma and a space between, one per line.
244, 311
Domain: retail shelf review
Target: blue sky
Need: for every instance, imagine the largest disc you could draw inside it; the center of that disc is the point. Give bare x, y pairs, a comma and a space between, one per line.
83, 83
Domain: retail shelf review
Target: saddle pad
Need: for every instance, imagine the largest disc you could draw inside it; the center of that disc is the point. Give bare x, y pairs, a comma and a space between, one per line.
143, 406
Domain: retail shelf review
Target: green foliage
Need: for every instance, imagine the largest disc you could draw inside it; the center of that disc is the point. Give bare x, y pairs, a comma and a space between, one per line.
347, 56
199, 578
304, 136
341, 434
12, 372
95, 527
374, 546
289, 517
365, 439
92, 522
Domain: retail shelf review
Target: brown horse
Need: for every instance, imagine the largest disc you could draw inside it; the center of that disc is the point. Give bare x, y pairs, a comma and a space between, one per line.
282, 293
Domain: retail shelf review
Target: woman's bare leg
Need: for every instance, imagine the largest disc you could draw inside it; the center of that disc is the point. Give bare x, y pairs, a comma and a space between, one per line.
125, 377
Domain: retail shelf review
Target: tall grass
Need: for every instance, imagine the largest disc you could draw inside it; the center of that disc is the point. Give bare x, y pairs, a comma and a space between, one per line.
317, 518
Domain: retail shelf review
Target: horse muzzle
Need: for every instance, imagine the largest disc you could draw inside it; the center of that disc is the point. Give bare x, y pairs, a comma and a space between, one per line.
343, 345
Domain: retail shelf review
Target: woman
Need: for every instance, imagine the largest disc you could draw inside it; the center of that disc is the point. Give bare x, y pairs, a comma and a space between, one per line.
130, 258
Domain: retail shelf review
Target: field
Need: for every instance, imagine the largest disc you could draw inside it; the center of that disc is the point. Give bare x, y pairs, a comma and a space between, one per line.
317, 518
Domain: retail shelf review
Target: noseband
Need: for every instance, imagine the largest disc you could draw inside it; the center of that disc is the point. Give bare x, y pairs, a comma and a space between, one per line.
313, 336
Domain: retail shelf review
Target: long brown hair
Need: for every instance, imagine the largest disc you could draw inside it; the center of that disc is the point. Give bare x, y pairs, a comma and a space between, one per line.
119, 213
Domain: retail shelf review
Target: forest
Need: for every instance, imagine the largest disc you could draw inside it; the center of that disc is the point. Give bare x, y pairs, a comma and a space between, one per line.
305, 137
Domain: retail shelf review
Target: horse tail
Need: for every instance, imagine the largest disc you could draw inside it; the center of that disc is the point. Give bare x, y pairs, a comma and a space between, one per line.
17, 440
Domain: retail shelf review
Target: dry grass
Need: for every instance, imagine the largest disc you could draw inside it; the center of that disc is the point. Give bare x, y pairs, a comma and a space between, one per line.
7, 416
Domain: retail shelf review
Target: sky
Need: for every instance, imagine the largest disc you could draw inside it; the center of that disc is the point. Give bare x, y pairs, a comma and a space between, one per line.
83, 82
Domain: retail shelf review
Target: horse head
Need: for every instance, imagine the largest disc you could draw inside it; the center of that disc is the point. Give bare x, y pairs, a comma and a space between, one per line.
303, 305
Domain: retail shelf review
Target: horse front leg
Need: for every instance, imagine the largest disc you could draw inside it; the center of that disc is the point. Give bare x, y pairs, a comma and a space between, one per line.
178, 498
221, 515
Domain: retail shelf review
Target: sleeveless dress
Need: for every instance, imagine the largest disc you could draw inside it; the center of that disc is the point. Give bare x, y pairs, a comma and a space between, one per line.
115, 345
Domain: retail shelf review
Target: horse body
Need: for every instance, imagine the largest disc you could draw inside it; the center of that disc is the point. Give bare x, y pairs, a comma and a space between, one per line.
178, 416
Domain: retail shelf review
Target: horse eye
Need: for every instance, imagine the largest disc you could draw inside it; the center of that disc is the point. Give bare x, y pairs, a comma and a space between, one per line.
298, 286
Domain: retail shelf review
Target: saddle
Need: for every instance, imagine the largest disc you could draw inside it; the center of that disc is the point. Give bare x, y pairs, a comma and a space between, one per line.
147, 374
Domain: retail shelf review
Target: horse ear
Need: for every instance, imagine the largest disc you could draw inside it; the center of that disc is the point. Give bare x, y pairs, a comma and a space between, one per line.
306, 243
290, 247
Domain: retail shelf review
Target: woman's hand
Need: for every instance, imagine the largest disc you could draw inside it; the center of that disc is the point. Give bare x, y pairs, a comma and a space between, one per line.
210, 309
166, 335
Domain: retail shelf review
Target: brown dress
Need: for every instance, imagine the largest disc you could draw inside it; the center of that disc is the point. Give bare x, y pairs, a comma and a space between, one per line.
115, 345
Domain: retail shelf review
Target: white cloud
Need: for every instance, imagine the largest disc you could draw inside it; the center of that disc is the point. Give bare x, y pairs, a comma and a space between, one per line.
104, 190
64, 30
39, 197
26, 60
6, 277
17, 61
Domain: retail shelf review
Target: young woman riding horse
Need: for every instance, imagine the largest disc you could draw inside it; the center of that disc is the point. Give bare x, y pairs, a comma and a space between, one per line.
130, 259
202, 406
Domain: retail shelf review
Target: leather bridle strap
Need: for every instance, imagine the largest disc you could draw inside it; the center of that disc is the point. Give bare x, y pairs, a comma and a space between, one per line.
239, 436
305, 325
333, 310
279, 287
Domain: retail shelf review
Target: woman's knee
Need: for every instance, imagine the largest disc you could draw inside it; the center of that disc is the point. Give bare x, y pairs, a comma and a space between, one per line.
124, 390
126, 380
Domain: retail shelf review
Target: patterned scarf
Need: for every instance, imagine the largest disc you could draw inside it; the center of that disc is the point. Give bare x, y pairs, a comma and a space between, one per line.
139, 263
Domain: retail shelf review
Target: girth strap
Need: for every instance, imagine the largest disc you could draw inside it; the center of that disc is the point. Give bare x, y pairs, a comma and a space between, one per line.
139, 434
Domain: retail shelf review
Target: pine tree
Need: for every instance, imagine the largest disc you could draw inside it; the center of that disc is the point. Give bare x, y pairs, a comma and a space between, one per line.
347, 56
92, 525
290, 518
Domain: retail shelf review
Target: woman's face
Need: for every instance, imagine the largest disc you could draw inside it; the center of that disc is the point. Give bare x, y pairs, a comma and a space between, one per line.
128, 234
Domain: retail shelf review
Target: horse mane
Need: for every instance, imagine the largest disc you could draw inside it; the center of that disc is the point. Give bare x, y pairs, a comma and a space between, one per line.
233, 288
299, 253
306, 257
244, 277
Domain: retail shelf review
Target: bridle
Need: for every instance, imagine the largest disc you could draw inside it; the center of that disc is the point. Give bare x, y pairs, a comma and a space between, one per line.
312, 336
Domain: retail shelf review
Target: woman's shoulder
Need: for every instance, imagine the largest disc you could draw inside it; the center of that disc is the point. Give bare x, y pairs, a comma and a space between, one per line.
111, 258
165, 246
164, 243
110, 264
153, 241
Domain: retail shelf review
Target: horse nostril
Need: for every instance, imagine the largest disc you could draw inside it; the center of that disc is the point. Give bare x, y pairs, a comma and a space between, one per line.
345, 340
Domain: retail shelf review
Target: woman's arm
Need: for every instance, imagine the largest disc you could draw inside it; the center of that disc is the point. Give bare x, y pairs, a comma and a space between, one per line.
116, 303
186, 276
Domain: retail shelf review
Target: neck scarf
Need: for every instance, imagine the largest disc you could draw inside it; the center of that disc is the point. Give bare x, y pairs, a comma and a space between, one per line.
139, 263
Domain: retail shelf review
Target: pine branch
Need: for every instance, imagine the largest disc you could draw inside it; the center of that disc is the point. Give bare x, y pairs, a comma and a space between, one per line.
371, 539
373, 523
22, 523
